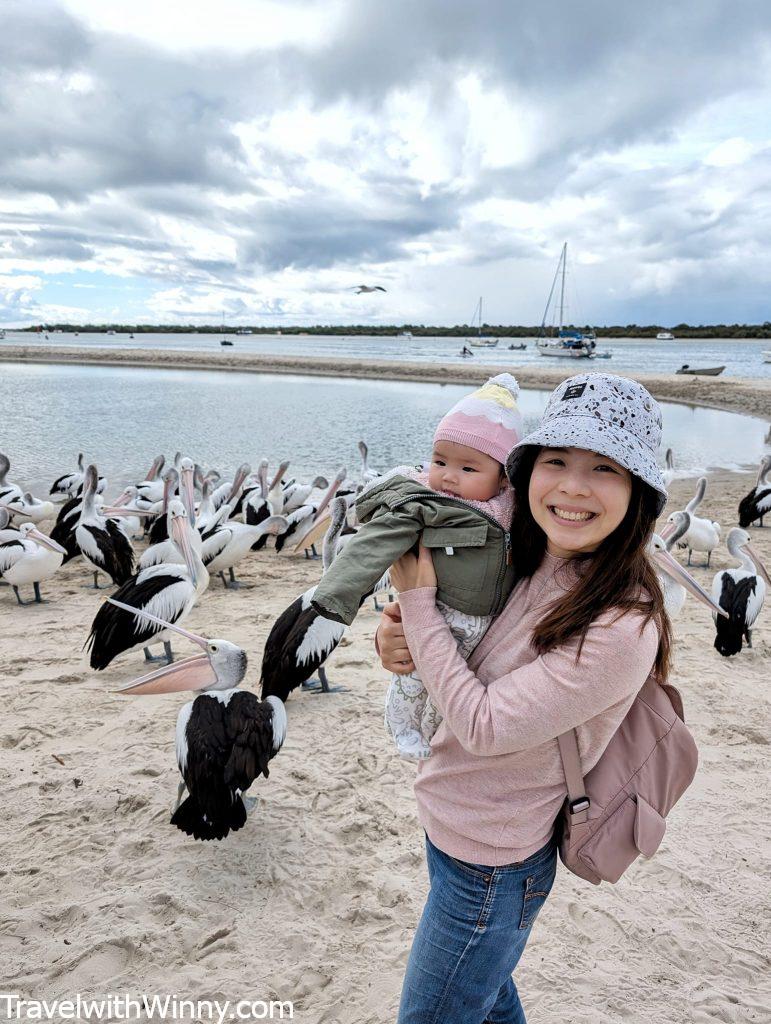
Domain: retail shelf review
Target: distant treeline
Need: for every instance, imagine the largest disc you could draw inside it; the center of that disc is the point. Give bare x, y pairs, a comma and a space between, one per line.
421, 330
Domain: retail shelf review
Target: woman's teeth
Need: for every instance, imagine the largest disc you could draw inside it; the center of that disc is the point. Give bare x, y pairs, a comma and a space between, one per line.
572, 516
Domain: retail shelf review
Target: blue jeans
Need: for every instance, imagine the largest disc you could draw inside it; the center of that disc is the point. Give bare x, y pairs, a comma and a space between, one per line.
474, 927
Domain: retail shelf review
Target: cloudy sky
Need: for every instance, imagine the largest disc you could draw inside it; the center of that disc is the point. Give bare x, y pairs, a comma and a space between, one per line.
168, 161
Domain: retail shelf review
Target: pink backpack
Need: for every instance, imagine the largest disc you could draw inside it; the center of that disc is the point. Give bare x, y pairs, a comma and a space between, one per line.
617, 812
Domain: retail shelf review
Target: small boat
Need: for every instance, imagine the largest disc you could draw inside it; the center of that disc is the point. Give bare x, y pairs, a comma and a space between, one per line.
568, 342
767, 357
704, 371
481, 340
226, 342
518, 348
665, 336
109, 332
405, 334
2, 335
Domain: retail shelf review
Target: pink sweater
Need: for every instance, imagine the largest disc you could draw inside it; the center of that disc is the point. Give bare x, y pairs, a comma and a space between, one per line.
493, 786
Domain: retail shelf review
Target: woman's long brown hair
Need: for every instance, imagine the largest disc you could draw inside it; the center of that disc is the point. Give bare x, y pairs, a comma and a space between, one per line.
612, 577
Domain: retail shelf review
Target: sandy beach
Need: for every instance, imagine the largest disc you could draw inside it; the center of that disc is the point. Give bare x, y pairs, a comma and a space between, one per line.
317, 898
749, 396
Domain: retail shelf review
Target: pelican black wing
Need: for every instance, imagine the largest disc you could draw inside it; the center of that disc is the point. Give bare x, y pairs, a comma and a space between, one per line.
114, 631
250, 728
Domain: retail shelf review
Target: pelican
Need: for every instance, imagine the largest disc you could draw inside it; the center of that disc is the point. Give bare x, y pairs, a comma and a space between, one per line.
676, 581
702, 534
367, 474
255, 484
225, 738
740, 591
302, 639
668, 474
757, 503
304, 518
29, 509
276, 491
170, 588
67, 485
8, 491
296, 494
104, 546
232, 541
30, 559
362, 289
230, 490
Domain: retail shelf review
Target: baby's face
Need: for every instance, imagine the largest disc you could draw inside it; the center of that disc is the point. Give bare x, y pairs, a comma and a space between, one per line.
464, 472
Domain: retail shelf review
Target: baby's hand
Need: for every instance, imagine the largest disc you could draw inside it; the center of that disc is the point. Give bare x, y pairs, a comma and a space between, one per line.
409, 572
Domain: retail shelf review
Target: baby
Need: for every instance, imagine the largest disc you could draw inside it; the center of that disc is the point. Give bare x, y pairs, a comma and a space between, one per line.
460, 507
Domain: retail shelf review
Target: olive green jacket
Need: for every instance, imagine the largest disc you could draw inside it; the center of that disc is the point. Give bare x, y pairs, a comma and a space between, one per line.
471, 550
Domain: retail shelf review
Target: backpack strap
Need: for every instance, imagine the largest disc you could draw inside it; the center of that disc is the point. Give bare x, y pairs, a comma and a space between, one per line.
578, 801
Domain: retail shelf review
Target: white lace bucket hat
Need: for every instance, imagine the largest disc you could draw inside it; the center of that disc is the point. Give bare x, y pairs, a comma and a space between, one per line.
603, 413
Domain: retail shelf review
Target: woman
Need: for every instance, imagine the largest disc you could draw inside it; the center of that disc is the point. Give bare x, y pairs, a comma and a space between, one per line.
582, 631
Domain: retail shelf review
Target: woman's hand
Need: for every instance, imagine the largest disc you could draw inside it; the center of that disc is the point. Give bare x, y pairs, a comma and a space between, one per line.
391, 642
410, 573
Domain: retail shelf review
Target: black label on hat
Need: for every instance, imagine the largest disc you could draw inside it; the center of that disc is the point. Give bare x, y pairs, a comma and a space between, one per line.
574, 391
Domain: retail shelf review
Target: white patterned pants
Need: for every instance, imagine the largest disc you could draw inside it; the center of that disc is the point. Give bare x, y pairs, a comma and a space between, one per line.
411, 716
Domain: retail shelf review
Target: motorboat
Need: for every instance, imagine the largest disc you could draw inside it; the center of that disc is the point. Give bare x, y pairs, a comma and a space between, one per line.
703, 371
518, 348
767, 357
568, 342
665, 336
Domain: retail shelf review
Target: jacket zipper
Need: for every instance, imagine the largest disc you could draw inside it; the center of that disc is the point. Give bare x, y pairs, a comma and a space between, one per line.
506, 537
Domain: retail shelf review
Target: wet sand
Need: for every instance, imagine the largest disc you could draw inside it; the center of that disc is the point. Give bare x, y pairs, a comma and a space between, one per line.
317, 898
752, 397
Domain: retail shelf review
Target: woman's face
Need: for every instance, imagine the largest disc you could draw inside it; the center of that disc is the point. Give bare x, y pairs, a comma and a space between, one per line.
578, 498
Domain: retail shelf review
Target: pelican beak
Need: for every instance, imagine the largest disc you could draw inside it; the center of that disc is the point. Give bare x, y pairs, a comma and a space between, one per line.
281, 470
47, 542
758, 563
681, 575
123, 499
262, 477
194, 673
330, 493
667, 532
120, 510
156, 467
180, 527
187, 493
238, 483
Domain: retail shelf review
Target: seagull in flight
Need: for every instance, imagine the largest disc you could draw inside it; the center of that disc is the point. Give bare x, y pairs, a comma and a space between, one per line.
368, 288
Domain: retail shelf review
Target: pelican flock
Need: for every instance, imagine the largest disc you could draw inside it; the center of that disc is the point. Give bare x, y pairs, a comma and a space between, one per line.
168, 532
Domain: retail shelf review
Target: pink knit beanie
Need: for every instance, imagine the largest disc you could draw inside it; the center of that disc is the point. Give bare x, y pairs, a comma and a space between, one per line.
487, 420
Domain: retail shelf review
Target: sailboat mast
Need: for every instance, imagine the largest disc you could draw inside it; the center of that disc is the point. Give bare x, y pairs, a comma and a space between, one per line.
563, 260
479, 331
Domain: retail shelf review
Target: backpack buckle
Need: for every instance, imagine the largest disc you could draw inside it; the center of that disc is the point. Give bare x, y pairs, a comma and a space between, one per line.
581, 803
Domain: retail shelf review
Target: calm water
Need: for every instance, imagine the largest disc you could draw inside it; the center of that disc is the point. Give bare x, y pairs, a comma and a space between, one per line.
742, 359
121, 418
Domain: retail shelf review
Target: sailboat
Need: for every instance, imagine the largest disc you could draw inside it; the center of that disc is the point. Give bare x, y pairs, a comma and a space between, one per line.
225, 340
568, 342
481, 340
